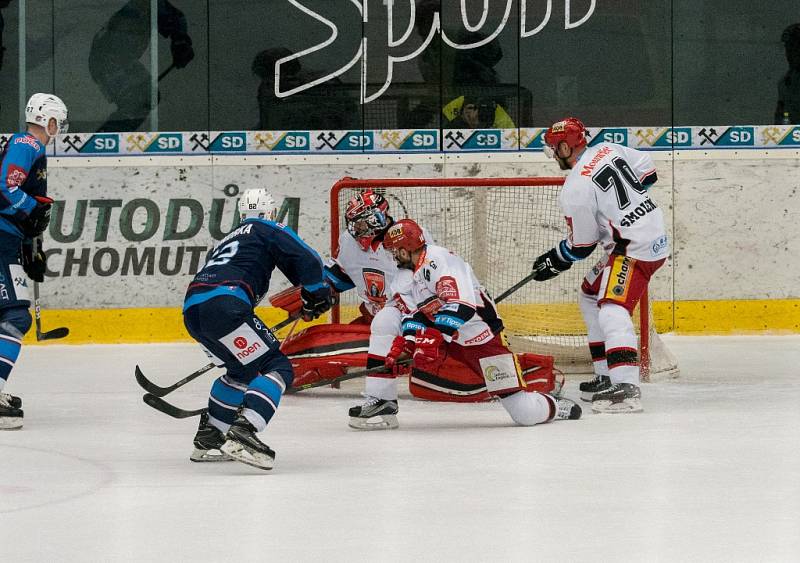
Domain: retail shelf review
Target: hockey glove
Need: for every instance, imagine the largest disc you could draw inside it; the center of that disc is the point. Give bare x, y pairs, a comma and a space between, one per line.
38, 219
402, 349
182, 52
429, 350
315, 302
549, 265
34, 261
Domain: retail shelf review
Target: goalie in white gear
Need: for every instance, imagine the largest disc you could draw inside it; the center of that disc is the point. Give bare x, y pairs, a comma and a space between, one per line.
605, 201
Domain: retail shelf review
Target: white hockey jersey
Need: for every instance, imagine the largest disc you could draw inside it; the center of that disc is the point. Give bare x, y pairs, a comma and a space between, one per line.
605, 201
442, 288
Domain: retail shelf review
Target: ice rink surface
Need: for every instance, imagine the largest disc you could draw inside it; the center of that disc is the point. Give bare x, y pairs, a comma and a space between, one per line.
709, 472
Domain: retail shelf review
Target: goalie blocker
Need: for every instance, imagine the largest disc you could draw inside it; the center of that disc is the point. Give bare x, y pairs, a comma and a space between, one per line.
325, 352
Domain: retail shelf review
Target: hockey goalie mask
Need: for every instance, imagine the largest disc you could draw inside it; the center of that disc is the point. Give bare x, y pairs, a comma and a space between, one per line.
257, 203
366, 217
570, 131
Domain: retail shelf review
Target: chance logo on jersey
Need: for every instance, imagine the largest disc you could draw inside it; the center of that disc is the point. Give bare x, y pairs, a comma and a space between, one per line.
245, 344
447, 288
619, 280
375, 283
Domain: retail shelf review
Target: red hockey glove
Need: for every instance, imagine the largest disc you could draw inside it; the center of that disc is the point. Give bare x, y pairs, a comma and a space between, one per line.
429, 351
401, 349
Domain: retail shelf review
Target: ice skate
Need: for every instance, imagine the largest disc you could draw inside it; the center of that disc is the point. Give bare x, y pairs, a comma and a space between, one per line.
567, 409
10, 414
374, 414
243, 445
590, 388
207, 442
619, 398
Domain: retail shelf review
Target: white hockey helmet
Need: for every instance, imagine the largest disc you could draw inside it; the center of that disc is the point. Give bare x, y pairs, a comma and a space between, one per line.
41, 108
257, 203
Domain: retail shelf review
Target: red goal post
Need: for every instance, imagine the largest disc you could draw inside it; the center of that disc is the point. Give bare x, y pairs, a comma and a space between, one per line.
499, 226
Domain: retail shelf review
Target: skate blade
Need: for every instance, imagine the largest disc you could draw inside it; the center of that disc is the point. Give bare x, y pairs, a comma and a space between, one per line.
10, 423
623, 407
239, 453
199, 455
386, 422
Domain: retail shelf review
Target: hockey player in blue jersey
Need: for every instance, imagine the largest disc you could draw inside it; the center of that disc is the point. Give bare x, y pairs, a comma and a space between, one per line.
218, 313
24, 216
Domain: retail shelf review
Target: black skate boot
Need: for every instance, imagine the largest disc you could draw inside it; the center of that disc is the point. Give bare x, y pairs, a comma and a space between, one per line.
207, 442
590, 388
13, 401
567, 409
10, 416
242, 445
382, 412
619, 398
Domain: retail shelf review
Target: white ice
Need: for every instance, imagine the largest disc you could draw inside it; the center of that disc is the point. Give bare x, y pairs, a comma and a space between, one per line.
709, 472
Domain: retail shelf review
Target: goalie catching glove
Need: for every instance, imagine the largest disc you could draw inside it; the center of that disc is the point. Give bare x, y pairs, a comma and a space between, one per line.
429, 350
316, 302
549, 265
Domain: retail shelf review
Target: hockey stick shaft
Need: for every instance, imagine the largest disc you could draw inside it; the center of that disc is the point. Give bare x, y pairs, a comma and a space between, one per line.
54, 334
514, 288
345, 377
158, 391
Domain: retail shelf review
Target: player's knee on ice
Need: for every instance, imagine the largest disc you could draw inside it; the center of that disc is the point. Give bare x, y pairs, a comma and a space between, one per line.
527, 409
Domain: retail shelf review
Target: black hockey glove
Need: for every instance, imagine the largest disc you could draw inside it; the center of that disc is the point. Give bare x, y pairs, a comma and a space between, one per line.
36, 223
182, 52
34, 261
315, 302
549, 265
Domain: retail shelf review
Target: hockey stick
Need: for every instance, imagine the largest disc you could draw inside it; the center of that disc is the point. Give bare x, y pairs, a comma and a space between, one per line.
515, 287
171, 410
157, 391
54, 334
345, 377
161, 405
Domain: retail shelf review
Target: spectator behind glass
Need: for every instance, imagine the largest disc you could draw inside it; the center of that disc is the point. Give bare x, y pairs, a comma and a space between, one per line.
114, 59
3, 5
471, 112
326, 106
788, 108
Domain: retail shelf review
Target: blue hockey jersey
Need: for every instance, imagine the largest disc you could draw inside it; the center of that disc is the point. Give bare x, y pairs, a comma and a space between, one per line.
23, 173
242, 263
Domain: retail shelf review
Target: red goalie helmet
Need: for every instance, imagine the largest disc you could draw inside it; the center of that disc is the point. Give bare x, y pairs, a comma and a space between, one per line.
405, 234
366, 216
570, 130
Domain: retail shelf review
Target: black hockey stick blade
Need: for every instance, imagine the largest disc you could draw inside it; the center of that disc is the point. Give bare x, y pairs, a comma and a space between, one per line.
345, 377
515, 287
171, 410
54, 334
157, 391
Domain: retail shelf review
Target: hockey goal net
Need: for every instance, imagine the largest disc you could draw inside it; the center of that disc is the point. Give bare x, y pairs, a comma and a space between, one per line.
499, 225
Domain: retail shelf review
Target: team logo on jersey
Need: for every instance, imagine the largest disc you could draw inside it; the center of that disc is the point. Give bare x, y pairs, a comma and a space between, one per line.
244, 344
447, 288
15, 176
375, 284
